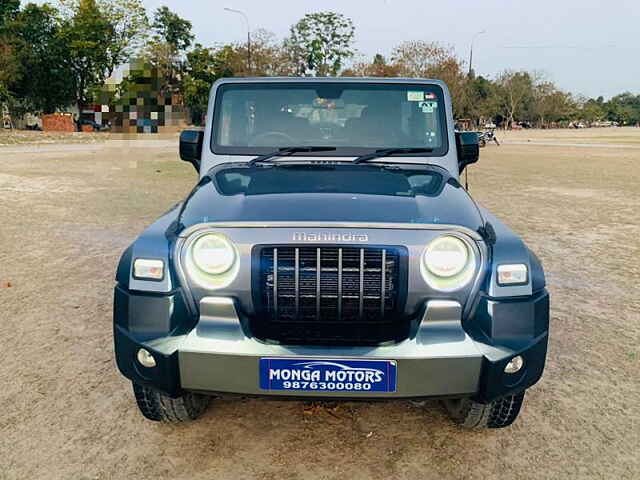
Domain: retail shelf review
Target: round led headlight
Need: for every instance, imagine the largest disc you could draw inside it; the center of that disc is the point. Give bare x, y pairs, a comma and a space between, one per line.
213, 254
446, 256
448, 263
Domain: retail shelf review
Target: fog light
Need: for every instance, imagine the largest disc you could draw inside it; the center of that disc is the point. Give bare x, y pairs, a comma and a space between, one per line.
146, 359
514, 365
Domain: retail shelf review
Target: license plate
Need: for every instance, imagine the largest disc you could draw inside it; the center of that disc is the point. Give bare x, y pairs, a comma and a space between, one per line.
328, 375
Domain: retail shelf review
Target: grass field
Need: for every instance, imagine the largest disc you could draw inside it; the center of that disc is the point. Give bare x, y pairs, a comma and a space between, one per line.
67, 214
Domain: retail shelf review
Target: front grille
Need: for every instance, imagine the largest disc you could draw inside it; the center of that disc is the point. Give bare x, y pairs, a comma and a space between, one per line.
330, 295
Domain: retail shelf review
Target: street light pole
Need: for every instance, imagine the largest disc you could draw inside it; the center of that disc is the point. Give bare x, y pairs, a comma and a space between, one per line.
471, 50
246, 19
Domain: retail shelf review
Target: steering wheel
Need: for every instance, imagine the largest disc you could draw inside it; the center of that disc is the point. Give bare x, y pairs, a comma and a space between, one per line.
280, 139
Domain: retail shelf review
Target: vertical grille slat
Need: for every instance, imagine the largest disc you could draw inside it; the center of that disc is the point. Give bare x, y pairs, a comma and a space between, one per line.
383, 282
361, 305
275, 281
330, 294
339, 284
296, 274
318, 282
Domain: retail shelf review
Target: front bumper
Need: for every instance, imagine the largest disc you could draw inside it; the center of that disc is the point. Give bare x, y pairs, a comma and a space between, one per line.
441, 358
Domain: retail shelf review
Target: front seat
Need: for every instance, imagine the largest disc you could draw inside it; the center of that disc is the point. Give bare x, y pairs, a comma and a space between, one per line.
373, 125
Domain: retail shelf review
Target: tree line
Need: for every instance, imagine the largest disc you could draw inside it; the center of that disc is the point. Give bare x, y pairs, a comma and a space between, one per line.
61, 54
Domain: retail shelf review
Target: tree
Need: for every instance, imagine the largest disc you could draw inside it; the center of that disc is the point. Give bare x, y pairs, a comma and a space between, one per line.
432, 60
200, 73
9, 66
228, 62
591, 110
451, 72
100, 35
268, 57
166, 60
377, 68
9, 72
515, 90
172, 29
87, 34
417, 58
43, 60
624, 109
129, 23
320, 43
204, 65
482, 99
8, 11
550, 104
166, 50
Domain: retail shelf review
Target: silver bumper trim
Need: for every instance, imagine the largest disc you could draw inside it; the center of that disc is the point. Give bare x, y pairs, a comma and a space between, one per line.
440, 360
219, 319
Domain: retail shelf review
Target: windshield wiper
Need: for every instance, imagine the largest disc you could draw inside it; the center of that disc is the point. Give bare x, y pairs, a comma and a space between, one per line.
283, 152
385, 152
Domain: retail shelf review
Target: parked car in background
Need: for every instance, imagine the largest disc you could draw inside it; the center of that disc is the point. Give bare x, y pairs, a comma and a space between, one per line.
97, 127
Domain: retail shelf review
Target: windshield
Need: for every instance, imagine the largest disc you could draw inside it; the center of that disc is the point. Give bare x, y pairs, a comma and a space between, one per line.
356, 118
311, 179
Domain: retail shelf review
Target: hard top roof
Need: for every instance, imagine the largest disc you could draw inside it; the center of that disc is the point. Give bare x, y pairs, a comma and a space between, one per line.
394, 80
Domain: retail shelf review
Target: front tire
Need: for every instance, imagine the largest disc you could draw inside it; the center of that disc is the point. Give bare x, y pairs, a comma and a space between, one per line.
161, 408
473, 415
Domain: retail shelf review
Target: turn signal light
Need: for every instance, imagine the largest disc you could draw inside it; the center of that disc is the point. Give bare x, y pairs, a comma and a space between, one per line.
148, 269
516, 274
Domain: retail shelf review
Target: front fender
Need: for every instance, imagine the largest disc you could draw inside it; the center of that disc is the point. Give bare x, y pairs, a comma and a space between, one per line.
508, 248
510, 318
154, 243
151, 314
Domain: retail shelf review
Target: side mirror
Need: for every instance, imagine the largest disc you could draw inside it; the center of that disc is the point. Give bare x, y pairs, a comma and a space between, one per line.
191, 147
468, 149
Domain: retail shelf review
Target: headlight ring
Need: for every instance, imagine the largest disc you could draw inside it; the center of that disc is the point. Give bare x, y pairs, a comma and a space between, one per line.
448, 263
211, 260
213, 254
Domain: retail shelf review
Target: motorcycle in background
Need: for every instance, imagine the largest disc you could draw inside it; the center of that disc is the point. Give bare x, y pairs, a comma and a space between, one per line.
487, 136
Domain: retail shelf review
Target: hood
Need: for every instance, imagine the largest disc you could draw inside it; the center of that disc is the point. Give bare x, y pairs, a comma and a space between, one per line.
451, 205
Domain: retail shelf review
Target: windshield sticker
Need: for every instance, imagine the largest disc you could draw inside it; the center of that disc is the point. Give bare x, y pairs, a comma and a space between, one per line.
428, 107
429, 95
415, 96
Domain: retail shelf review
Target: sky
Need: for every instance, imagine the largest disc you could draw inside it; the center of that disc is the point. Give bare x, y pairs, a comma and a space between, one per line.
588, 47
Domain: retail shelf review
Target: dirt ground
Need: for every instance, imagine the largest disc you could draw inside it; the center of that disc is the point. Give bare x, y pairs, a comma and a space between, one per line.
33, 137
67, 213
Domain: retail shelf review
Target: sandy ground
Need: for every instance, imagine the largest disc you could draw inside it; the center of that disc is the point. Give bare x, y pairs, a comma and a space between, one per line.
66, 215
30, 137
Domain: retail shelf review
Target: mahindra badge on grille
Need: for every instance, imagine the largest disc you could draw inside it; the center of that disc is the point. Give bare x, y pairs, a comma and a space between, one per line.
330, 237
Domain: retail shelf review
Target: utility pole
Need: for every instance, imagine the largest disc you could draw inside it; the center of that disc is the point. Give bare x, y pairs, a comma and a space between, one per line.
246, 19
471, 50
